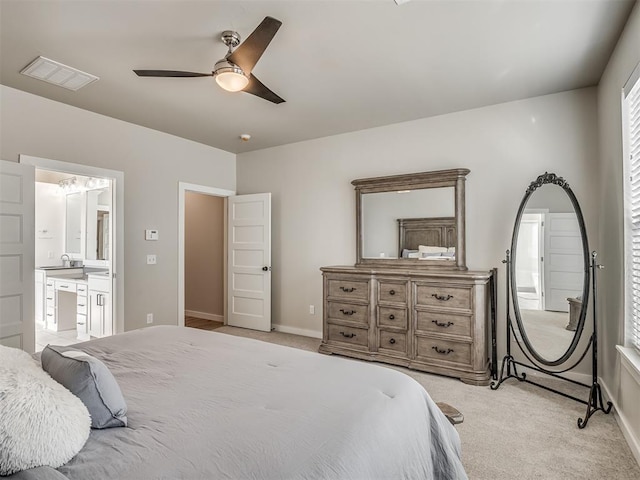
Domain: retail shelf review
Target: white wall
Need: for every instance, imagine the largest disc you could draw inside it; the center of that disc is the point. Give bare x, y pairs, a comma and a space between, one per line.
624, 388
153, 163
505, 146
50, 214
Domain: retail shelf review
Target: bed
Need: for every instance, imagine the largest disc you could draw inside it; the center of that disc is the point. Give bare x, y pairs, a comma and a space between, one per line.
435, 231
207, 405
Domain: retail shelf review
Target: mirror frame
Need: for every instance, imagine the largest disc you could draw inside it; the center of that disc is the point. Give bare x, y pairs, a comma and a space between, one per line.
442, 178
553, 179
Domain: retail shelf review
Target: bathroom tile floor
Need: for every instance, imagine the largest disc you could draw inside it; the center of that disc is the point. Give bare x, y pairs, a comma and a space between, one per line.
45, 337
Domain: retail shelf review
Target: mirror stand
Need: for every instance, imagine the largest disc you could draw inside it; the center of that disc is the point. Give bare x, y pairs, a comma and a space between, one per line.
594, 402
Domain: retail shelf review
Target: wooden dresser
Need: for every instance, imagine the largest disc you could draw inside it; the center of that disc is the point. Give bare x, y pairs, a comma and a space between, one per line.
433, 321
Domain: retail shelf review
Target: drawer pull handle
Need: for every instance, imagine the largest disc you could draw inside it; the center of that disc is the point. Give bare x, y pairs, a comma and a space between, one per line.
80, 323
64, 286
348, 335
392, 341
442, 352
81, 305
348, 289
445, 325
49, 314
392, 317
347, 312
49, 298
392, 292
443, 298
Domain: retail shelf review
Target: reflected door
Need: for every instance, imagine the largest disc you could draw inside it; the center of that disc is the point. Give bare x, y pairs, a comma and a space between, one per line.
249, 261
564, 267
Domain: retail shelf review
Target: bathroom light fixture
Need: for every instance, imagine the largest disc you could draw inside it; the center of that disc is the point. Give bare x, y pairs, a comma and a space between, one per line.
68, 185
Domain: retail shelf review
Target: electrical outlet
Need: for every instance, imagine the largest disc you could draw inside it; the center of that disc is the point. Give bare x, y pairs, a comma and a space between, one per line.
151, 260
312, 310
50, 255
149, 317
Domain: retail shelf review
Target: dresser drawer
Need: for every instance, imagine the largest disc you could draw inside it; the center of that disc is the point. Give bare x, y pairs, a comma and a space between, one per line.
443, 297
394, 341
66, 286
392, 317
443, 323
350, 335
349, 289
437, 350
348, 311
392, 292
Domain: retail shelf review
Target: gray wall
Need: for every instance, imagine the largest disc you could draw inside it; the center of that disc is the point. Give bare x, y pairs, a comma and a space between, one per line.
204, 254
153, 163
620, 384
505, 146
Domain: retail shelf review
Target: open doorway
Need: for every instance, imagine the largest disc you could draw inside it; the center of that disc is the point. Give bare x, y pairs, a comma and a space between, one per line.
79, 245
202, 261
204, 256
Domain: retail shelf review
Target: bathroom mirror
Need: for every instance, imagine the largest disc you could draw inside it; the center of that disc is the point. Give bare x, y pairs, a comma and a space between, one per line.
73, 224
98, 223
550, 270
412, 220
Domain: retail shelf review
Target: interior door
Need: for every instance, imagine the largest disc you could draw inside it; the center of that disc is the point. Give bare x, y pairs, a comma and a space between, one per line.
17, 255
563, 261
249, 261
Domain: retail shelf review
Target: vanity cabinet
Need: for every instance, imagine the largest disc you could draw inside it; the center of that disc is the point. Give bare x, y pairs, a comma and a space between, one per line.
432, 321
100, 322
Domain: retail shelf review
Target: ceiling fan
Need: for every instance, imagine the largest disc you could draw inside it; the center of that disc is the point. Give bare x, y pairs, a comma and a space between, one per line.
233, 72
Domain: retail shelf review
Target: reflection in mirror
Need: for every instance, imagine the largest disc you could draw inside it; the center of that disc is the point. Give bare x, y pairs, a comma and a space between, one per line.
381, 212
98, 208
549, 271
73, 223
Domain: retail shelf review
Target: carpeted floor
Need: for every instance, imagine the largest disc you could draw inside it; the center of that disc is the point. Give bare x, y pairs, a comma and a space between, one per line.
518, 432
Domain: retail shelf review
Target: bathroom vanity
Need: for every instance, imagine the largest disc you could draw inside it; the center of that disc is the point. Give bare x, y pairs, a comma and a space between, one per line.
69, 298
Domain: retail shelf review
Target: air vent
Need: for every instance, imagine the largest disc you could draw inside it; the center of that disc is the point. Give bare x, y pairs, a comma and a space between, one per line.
54, 72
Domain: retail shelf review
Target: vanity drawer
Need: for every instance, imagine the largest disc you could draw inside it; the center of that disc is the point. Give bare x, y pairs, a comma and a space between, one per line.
66, 286
443, 323
437, 350
349, 289
351, 335
50, 283
51, 315
348, 311
81, 307
394, 341
81, 289
392, 292
392, 317
443, 296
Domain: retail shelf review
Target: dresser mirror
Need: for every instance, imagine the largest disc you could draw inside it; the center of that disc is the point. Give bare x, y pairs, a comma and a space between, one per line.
412, 220
550, 272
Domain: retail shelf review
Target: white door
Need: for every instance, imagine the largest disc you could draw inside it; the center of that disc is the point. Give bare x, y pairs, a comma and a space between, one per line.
249, 261
17, 255
563, 261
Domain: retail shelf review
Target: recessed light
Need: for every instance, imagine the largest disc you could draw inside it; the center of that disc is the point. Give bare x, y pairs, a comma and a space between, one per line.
57, 73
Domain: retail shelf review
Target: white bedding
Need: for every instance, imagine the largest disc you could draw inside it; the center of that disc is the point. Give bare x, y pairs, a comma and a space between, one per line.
205, 405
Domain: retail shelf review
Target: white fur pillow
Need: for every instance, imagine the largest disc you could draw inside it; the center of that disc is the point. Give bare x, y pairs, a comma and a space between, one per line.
41, 422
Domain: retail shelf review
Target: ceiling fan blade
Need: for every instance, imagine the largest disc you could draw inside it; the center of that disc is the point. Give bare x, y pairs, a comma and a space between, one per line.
170, 73
249, 52
256, 87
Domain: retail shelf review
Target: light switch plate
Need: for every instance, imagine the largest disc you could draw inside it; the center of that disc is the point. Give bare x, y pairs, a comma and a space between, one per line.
151, 234
151, 260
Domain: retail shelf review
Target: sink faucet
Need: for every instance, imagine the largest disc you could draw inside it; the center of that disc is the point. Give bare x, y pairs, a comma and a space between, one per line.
65, 262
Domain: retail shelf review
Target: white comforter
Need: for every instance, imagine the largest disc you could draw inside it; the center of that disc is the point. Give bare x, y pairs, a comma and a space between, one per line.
205, 405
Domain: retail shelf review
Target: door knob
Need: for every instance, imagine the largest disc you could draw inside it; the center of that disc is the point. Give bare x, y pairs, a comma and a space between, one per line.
266, 269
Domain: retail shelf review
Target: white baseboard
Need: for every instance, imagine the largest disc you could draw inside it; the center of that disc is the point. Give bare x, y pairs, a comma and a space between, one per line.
297, 331
623, 423
204, 315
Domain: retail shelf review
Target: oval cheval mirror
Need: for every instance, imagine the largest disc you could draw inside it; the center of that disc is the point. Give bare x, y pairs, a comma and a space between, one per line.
550, 270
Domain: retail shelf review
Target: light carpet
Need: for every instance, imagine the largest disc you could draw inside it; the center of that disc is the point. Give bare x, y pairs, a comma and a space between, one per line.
518, 431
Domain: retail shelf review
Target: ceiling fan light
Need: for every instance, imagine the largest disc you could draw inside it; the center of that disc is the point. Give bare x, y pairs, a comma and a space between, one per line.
232, 81
229, 76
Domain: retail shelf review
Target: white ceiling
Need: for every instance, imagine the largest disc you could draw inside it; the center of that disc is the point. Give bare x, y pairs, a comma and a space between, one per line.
341, 66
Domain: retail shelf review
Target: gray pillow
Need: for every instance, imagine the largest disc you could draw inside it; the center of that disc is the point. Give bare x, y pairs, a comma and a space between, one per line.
90, 380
